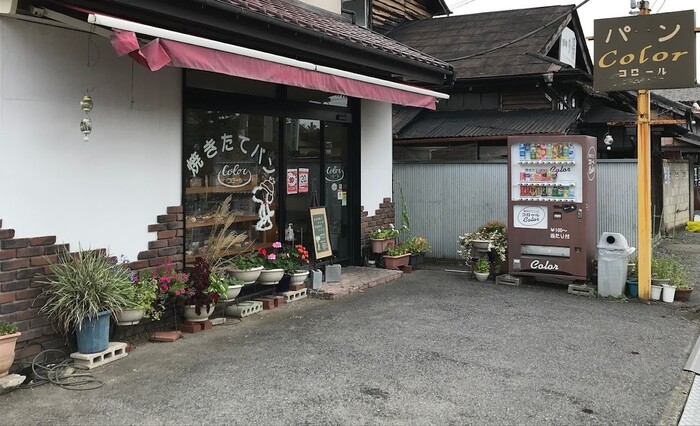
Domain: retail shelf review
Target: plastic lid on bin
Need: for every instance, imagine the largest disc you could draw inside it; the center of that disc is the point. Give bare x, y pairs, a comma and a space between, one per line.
614, 241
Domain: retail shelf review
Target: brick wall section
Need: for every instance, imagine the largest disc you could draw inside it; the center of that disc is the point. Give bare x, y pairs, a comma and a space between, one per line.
383, 217
169, 243
23, 264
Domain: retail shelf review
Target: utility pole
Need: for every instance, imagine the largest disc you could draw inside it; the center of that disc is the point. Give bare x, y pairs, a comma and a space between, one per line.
644, 184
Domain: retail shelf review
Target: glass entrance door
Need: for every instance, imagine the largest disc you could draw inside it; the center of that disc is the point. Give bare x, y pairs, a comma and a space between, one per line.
316, 157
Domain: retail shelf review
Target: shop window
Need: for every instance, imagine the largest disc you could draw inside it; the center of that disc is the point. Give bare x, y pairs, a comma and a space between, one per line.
232, 155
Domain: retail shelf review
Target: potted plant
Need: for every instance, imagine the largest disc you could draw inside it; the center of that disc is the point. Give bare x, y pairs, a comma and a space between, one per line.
680, 280
82, 291
668, 271
8, 339
418, 246
482, 269
233, 285
201, 294
300, 257
495, 233
275, 264
142, 305
382, 237
633, 284
245, 267
396, 255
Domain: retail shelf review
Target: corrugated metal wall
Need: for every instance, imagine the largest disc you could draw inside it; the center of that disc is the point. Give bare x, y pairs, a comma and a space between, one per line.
445, 200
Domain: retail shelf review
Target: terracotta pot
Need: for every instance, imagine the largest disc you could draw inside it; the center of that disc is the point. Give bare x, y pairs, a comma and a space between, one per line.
130, 316
682, 294
191, 313
393, 262
7, 352
248, 276
270, 276
379, 246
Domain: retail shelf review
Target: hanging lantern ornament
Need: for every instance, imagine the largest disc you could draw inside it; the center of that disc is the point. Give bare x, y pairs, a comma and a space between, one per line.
85, 124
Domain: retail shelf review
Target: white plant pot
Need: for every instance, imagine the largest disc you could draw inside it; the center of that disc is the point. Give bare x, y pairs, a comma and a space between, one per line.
191, 313
656, 292
669, 293
248, 276
481, 245
270, 276
233, 291
299, 277
481, 276
130, 316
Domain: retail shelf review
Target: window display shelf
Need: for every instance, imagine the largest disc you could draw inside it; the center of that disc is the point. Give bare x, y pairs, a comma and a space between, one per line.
213, 222
189, 259
547, 161
217, 189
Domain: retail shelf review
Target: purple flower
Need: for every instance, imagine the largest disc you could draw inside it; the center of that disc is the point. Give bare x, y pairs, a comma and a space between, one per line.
271, 256
276, 245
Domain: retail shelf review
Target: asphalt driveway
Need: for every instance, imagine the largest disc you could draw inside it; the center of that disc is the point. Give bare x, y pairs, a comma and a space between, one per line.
431, 348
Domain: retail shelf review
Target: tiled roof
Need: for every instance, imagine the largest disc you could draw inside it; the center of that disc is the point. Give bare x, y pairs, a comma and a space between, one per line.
463, 35
334, 26
685, 96
465, 124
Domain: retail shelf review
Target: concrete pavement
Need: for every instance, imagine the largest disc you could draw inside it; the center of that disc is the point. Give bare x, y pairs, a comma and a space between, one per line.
431, 348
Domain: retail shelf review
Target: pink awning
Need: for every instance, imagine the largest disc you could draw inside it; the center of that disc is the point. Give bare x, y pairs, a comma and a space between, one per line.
160, 52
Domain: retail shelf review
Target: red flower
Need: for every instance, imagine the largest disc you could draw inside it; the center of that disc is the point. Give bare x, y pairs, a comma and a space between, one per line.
262, 251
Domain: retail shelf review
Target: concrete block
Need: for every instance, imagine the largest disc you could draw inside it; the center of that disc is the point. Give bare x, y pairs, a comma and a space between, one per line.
218, 321
293, 296
165, 336
206, 325
244, 309
10, 382
581, 289
114, 351
316, 277
509, 280
333, 274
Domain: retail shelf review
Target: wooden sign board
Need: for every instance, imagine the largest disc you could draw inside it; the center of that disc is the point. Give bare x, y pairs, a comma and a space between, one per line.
319, 228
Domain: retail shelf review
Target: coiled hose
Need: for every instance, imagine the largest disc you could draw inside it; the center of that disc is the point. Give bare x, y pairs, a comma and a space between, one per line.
55, 367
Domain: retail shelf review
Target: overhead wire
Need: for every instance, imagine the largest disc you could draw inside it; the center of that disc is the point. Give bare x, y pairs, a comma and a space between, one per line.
530, 34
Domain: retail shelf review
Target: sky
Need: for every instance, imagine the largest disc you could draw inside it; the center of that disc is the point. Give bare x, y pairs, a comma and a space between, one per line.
594, 9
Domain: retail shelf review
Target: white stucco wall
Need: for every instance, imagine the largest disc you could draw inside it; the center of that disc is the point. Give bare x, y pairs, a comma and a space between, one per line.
376, 153
101, 193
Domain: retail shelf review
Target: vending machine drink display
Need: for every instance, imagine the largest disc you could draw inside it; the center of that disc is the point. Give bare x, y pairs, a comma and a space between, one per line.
552, 206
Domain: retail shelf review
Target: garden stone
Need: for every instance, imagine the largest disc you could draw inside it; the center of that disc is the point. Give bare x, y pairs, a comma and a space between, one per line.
333, 273
10, 382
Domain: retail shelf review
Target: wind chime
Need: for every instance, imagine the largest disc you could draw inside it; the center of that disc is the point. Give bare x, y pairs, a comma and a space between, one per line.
85, 123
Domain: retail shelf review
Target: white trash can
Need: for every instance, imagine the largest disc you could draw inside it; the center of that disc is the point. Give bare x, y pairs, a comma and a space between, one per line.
613, 253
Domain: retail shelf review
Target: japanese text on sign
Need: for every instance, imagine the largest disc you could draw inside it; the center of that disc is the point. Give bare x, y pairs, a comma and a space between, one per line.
645, 52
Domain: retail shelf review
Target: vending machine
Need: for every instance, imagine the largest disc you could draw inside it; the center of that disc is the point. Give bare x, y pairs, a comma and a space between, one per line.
552, 206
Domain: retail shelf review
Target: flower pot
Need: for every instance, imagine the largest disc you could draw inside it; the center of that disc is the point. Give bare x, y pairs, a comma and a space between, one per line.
299, 277
93, 333
481, 276
632, 288
130, 316
248, 276
481, 245
682, 294
416, 260
656, 292
393, 262
7, 352
190, 312
669, 293
233, 291
379, 246
270, 276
